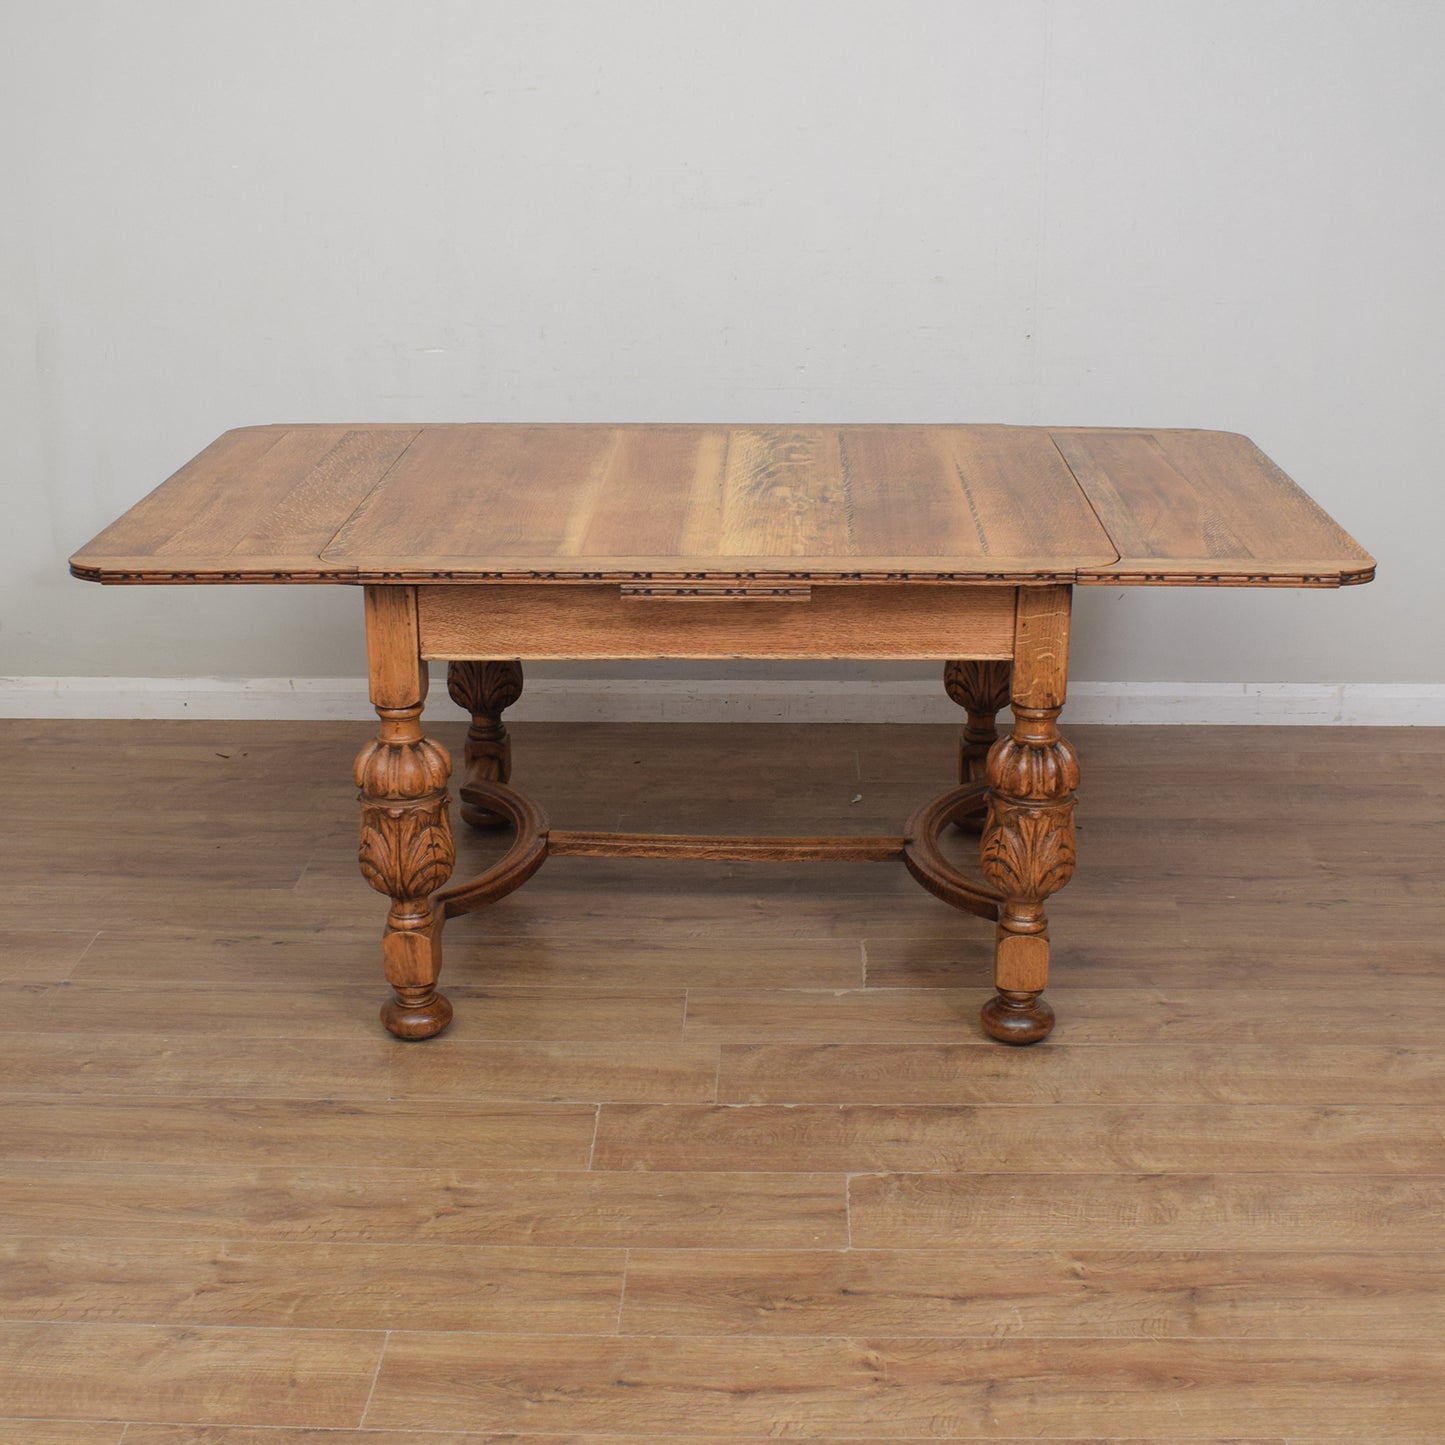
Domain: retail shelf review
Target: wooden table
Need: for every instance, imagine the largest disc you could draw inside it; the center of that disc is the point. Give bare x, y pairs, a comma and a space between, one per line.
482, 545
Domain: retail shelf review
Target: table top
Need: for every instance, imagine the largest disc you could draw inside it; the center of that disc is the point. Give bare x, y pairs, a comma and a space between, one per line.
582, 503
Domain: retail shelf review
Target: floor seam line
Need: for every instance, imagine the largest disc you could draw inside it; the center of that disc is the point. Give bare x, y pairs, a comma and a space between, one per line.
376, 1376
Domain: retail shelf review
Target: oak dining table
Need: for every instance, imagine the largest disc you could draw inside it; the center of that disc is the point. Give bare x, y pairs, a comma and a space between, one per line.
485, 545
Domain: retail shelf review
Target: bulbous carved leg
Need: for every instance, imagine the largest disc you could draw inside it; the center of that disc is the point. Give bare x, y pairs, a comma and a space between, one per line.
1028, 839
406, 838
486, 690
407, 853
1027, 854
981, 689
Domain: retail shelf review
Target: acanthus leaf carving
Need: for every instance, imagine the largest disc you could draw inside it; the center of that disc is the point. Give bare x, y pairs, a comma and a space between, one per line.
484, 689
1028, 850
406, 849
978, 686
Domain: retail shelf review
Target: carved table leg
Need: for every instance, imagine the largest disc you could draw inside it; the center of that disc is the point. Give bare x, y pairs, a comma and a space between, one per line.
1028, 841
406, 839
981, 689
486, 690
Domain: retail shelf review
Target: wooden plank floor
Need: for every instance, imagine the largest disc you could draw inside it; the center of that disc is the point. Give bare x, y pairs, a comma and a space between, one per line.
717, 1152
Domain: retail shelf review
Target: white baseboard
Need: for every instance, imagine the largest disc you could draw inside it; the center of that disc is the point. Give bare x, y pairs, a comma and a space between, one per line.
1351, 704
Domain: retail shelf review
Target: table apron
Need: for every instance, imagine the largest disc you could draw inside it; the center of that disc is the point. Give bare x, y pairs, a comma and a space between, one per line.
500, 620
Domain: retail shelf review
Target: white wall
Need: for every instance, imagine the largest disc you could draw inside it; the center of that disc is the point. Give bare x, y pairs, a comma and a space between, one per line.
1219, 213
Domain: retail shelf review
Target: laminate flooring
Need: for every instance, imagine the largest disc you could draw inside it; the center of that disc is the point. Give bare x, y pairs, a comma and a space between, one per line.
718, 1152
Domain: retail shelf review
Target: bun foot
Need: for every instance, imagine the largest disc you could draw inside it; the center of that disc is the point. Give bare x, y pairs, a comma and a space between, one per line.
1017, 1018
416, 1013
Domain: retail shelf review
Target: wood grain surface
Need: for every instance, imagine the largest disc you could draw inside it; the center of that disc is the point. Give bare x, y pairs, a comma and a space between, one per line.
1071, 1293
716, 1153
1171, 503
208, 1376
904, 1386
222, 1435
75, 1432
745, 505
508, 620
1052, 1139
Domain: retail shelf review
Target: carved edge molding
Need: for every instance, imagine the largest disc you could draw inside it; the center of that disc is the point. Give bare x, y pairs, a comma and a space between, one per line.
132, 576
